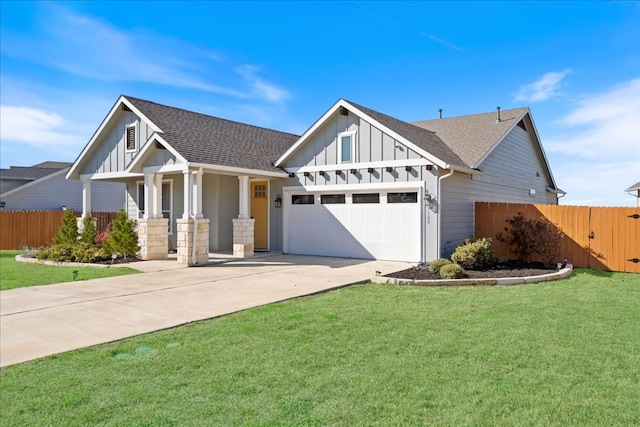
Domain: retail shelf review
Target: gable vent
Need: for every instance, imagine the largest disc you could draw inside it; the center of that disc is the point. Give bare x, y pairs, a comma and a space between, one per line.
344, 111
131, 138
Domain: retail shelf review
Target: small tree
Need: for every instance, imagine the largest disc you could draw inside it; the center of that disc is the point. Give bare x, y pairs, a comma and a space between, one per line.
123, 238
89, 232
68, 232
526, 237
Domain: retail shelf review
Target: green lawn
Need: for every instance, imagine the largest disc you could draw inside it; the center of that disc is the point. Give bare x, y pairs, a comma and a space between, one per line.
558, 353
15, 274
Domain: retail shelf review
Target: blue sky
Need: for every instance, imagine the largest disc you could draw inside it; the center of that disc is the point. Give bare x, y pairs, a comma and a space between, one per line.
283, 64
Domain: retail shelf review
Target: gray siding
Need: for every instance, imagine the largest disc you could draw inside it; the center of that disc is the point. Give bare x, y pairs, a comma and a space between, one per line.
109, 154
511, 170
228, 209
371, 145
55, 192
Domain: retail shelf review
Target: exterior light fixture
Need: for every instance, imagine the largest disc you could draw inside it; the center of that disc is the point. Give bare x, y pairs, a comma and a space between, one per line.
278, 201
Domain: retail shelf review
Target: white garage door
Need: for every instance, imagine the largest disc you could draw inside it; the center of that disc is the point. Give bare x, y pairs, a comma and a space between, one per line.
382, 225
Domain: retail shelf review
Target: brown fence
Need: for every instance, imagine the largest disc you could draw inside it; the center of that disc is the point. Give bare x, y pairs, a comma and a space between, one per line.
30, 229
594, 237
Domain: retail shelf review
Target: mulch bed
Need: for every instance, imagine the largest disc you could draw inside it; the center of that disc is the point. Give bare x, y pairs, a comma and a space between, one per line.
508, 269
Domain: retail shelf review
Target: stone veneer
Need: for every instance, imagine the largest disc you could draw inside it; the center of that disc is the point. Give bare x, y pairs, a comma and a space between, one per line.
243, 237
153, 237
185, 241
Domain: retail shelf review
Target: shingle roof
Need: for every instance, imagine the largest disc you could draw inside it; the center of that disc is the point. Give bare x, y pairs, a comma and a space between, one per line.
206, 139
472, 136
29, 173
634, 187
422, 137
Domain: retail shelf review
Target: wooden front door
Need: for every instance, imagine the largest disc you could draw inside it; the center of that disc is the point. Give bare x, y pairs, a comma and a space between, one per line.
260, 213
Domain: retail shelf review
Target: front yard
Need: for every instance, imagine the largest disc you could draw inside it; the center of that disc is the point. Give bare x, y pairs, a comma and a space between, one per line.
557, 353
15, 274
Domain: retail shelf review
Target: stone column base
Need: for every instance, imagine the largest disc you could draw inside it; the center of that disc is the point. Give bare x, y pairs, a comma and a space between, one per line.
243, 243
153, 237
185, 241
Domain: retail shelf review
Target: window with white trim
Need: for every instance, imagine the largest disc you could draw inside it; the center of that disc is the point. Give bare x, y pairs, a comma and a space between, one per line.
167, 201
131, 137
346, 143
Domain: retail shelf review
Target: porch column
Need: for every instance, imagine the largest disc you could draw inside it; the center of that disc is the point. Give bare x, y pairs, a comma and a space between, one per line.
243, 212
243, 226
186, 175
86, 198
157, 196
197, 193
149, 192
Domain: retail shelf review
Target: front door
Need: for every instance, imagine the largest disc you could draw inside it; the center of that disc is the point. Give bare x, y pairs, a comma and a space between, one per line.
260, 213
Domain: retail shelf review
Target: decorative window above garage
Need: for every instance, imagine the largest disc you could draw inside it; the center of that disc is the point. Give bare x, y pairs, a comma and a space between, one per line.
346, 146
366, 198
302, 199
402, 197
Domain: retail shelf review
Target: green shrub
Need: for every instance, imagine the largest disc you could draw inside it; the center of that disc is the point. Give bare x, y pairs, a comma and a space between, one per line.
85, 252
123, 238
68, 232
437, 264
58, 252
451, 271
526, 237
475, 255
89, 232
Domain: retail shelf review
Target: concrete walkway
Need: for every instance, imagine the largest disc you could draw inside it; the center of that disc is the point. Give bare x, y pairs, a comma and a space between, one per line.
43, 320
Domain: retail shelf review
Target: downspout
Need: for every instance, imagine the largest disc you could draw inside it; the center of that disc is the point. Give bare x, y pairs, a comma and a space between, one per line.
451, 172
194, 258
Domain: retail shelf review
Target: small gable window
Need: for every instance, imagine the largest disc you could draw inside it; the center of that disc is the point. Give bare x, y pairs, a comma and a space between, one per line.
131, 137
346, 143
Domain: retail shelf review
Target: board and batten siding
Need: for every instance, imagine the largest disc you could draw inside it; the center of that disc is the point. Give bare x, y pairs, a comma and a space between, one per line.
110, 153
510, 172
55, 192
370, 145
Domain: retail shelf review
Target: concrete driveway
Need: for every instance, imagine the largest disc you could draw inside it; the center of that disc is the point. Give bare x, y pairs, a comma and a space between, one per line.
44, 320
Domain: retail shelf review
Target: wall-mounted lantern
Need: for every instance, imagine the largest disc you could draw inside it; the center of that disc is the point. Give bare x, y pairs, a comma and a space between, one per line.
278, 201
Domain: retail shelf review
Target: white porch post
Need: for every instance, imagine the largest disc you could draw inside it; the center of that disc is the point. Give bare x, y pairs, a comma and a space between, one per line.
149, 190
243, 226
197, 193
186, 175
86, 198
157, 196
243, 212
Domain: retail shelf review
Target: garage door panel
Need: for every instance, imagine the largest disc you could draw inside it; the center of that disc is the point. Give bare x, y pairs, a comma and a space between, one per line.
370, 231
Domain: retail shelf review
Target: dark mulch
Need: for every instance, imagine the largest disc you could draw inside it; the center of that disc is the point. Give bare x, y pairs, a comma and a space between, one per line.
508, 269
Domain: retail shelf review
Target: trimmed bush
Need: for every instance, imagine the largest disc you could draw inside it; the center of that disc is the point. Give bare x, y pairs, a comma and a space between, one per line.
89, 232
123, 238
452, 271
68, 232
437, 264
59, 253
475, 255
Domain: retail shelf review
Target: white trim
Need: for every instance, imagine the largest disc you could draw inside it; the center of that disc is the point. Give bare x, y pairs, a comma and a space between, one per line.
352, 143
363, 165
229, 170
108, 175
87, 148
171, 210
355, 187
178, 167
148, 146
34, 182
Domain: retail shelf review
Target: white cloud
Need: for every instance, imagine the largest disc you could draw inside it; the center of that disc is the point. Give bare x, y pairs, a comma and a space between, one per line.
597, 146
35, 127
263, 89
546, 87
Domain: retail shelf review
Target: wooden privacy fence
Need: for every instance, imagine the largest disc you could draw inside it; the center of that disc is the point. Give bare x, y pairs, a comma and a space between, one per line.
594, 237
31, 229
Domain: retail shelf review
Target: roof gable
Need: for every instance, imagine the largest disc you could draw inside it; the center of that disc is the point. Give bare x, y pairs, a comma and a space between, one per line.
422, 141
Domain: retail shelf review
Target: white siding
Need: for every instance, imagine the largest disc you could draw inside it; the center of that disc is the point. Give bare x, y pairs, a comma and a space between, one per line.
55, 192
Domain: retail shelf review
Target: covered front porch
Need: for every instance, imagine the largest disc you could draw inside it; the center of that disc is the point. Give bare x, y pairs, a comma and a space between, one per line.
196, 210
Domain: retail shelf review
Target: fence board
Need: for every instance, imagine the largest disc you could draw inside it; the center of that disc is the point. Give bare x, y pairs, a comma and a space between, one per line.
616, 234
31, 229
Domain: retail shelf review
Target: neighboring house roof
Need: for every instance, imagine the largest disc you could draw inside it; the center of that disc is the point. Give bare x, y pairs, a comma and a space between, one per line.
473, 136
30, 176
199, 138
423, 138
53, 165
634, 187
